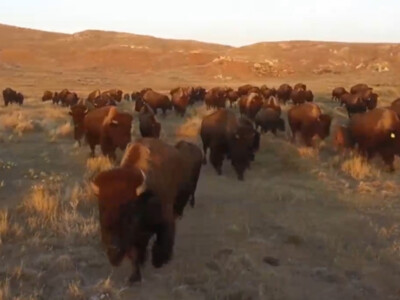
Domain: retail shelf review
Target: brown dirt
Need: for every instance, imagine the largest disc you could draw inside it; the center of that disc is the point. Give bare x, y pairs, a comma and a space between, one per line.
305, 224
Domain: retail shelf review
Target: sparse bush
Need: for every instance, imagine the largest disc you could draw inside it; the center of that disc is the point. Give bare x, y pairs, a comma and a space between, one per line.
358, 168
96, 165
62, 131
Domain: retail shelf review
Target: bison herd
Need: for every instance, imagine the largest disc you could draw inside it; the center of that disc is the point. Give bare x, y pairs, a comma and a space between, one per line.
149, 190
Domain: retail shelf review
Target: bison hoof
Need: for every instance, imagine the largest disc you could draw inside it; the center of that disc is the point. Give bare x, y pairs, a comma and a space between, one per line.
241, 177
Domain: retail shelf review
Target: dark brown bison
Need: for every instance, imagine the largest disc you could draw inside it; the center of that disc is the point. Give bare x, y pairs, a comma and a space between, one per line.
284, 93
155, 101
268, 119
137, 201
216, 97
232, 96
180, 98
127, 97
10, 96
78, 113
225, 135
198, 94
70, 99
273, 103
114, 94
247, 89
359, 103
308, 119
300, 96
103, 100
148, 125
267, 92
359, 88
47, 96
192, 157
300, 86
108, 128
139, 95
250, 104
337, 93
59, 98
376, 131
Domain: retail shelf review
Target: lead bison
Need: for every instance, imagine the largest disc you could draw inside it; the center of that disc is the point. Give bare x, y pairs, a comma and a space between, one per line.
137, 200
225, 135
108, 128
308, 119
10, 96
376, 131
216, 97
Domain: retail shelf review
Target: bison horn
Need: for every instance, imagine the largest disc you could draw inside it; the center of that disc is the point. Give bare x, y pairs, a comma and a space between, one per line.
86, 111
95, 188
392, 135
115, 122
141, 188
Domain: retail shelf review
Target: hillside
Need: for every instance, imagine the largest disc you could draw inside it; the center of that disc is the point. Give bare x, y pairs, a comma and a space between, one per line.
101, 51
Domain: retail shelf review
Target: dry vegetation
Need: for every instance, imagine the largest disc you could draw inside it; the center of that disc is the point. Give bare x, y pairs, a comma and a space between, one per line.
305, 224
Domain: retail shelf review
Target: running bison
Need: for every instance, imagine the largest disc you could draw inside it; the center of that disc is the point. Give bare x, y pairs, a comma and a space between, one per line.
148, 125
308, 119
228, 136
284, 93
108, 128
78, 113
155, 100
137, 200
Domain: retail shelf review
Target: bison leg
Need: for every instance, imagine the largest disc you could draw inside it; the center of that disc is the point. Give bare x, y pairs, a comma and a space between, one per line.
205, 147
217, 158
388, 158
163, 246
274, 131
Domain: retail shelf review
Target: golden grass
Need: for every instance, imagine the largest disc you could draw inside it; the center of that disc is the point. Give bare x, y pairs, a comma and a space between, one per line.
18, 122
308, 152
5, 290
96, 165
74, 290
62, 131
4, 224
191, 126
357, 167
42, 203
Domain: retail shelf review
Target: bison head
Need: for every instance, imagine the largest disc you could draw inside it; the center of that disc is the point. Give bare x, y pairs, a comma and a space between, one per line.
115, 189
78, 113
324, 125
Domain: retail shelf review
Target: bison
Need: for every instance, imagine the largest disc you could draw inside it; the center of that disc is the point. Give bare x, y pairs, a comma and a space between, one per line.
180, 98
225, 135
376, 131
47, 96
127, 97
216, 97
10, 96
155, 100
108, 128
359, 88
247, 89
114, 94
337, 93
137, 200
250, 104
300, 86
267, 92
308, 119
198, 94
148, 125
284, 93
78, 113
268, 119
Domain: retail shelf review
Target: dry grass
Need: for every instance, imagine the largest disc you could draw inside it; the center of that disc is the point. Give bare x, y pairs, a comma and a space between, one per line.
308, 152
5, 290
4, 224
42, 203
357, 167
19, 123
74, 290
96, 165
62, 131
191, 126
